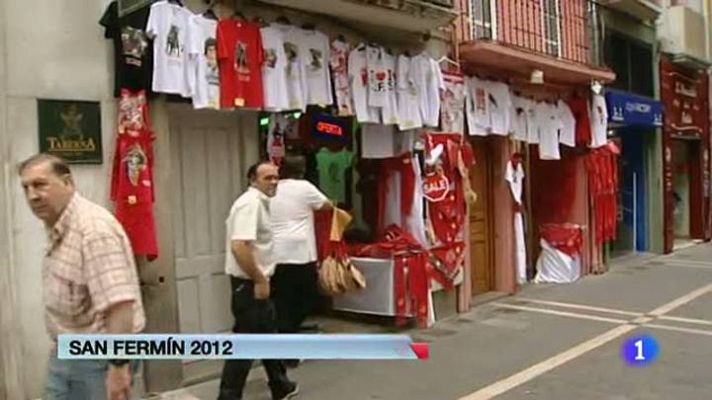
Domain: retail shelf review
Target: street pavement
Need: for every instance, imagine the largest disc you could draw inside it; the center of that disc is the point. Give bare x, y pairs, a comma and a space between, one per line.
549, 342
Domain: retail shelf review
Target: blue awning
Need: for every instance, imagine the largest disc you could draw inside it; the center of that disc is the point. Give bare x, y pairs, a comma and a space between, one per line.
631, 109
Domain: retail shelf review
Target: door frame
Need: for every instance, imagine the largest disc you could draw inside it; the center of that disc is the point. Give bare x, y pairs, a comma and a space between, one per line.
488, 193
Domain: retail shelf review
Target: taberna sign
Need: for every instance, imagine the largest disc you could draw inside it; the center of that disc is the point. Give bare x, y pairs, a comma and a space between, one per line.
630, 109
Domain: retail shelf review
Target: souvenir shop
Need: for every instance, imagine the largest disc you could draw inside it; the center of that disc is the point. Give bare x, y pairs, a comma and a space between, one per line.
544, 181
686, 161
260, 83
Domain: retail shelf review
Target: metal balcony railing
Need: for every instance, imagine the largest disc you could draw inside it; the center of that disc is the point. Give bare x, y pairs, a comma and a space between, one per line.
564, 29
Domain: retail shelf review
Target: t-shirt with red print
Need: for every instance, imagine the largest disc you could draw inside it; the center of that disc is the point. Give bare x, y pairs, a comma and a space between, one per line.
241, 57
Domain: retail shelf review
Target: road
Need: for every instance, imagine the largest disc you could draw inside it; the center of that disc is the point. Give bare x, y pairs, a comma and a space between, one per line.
549, 342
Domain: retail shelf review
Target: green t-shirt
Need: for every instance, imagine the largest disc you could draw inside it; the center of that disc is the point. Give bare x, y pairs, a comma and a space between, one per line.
332, 168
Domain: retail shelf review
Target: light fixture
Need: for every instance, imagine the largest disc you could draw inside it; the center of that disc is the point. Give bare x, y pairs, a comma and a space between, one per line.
537, 77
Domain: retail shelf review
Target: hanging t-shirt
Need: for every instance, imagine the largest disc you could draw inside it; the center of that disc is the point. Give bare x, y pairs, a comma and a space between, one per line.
133, 53
203, 74
515, 177
533, 122
407, 95
429, 81
276, 134
452, 116
274, 70
549, 125
168, 26
295, 73
241, 57
599, 121
500, 105
389, 111
377, 76
340, 73
358, 75
332, 167
567, 136
314, 50
478, 113
377, 141
579, 108
519, 117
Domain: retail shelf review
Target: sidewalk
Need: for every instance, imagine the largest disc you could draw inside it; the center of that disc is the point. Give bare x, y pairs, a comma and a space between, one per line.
500, 339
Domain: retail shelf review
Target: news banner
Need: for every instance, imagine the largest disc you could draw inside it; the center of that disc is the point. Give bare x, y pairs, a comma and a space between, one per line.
240, 346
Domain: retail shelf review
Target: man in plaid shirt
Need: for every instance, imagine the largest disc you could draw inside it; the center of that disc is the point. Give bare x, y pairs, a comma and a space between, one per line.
89, 279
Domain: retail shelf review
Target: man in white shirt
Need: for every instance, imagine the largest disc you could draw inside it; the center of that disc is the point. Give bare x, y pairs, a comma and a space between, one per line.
295, 278
249, 261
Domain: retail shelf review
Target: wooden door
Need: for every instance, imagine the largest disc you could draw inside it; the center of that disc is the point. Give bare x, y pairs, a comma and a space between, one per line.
481, 220
210, 154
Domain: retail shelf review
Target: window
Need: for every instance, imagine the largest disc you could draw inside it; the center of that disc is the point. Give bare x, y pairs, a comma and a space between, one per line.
552, 27
481, 19
632, 61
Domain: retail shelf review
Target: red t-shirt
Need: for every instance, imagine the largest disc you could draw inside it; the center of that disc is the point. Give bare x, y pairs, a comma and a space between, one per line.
579, 108
240, 58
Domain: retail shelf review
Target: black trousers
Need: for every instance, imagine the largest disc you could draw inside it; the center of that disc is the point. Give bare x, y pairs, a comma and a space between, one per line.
295, 293
251, 316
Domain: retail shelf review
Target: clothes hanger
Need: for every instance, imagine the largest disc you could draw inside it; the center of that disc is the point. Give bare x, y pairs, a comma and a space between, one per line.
309, 26
210, 12
341, 38
283, 20
260, 21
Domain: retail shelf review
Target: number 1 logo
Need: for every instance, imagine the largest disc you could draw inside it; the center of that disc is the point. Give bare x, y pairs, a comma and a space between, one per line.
640, 350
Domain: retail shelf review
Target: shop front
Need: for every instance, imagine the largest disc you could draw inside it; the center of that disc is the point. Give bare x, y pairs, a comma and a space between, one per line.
633, 121
686, 149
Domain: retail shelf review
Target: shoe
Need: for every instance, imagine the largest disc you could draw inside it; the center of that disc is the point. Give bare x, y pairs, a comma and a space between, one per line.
291, 390
292, 363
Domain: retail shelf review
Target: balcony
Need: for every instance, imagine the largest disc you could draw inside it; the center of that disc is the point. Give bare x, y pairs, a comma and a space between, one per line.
642, 9
556, 37
373, 15
681, 31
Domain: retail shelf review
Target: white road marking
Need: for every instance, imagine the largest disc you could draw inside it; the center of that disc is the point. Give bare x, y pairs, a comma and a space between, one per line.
685, 320
580, 307
547, 365
678, 329
526, 375
560, 313
666, 308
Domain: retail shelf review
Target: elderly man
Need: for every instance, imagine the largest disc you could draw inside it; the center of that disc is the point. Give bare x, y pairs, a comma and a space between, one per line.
250, 263
89, 280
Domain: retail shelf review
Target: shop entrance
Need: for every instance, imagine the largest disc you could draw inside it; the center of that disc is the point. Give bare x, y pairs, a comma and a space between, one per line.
632, 220
208, 167
481, 252
683, 154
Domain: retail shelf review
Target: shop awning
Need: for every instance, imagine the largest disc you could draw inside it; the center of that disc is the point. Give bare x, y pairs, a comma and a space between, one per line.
625, 108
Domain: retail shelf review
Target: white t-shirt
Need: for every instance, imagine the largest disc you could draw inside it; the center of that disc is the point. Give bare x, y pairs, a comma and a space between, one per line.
168, 26
294, 65
568, 124
292, 210
377, 76
340, 73
408, 100
315, 53
533, 122
519, 117
358, 74
549, 126
249, 220
274, 70
429, 81
478, 113
389, 111
203, 76
500, 105
599, 121
452, 116
378, 141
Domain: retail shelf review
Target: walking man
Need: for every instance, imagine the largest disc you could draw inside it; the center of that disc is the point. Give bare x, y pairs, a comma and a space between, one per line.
295, 278
89, 280
249, 261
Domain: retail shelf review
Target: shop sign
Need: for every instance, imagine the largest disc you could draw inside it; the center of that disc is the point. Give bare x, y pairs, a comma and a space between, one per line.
330, 128
630, 109
436, 187
684, 114
71, 130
